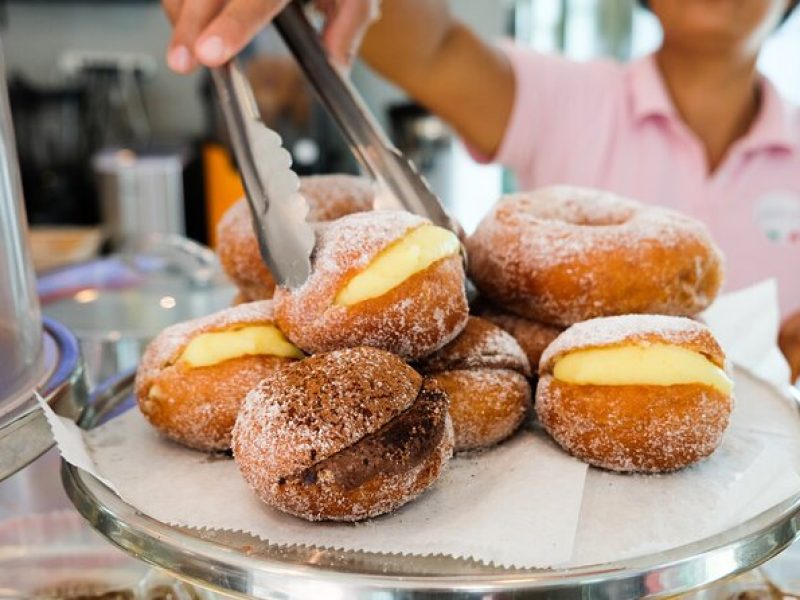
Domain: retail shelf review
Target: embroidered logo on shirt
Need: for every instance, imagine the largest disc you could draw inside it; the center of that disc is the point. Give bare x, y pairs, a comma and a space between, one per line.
778, 215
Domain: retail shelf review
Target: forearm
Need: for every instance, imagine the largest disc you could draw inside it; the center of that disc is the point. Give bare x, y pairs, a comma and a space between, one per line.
419, 46
789, 342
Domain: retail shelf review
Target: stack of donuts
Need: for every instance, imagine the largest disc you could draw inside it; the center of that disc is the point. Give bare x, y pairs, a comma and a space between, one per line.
345, 398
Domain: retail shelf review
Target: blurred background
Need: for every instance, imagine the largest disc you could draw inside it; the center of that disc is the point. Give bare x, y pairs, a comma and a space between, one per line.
111, 143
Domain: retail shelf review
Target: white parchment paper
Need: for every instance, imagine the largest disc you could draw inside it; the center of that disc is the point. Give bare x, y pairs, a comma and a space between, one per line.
477, 509
754, 469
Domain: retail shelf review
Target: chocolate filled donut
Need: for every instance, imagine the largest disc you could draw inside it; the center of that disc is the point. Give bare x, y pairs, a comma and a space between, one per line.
329, 197
343, 436
194, 376
635, 392
386, 279
484, 373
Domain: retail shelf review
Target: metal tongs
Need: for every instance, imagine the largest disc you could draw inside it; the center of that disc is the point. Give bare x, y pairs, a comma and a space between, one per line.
279, 211
369, 143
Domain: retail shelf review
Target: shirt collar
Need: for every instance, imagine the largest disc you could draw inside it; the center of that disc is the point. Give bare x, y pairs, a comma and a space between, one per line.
774, 126
648, 93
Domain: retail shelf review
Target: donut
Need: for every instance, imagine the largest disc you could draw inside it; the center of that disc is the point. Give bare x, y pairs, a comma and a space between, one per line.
386, 279
329, 197
532, 336
561, 255
484, 372
193, 376
343, 436
637, 393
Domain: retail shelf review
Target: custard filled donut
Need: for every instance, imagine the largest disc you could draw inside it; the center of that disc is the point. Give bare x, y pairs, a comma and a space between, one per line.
194, 376
343, 436
386, 279
635, 392
532, 336
561, 255
484, 372
329, 197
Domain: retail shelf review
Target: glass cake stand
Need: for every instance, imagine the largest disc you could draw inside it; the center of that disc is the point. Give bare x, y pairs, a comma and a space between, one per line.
245, 566
24, 432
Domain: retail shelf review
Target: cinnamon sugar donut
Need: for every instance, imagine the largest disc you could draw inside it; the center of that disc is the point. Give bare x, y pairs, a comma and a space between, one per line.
532, 336
329, 197
484, 374
635, 392
343, 436
386, 279
191, 380
561, 255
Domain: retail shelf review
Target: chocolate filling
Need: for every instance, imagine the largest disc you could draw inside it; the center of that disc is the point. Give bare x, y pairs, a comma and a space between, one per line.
400, 445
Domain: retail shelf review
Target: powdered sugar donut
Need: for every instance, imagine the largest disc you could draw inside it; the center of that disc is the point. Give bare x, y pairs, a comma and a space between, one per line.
635, 392
561, 255
329, 197
484, 372
532, 336
386, 279
194, 376
343, 436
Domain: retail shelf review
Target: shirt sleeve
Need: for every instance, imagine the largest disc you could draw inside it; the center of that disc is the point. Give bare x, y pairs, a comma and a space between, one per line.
555, 100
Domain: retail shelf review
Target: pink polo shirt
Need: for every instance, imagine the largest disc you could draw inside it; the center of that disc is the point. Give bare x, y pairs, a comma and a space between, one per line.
613, 126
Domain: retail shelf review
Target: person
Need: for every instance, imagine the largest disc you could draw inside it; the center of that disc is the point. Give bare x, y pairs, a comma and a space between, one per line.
693, 126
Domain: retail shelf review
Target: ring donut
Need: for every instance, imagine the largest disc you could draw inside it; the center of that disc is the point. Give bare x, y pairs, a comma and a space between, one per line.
561, 255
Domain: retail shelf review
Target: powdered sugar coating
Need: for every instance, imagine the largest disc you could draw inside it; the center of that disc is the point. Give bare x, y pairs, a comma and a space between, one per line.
311, 439
329, 197
480, 345
634, 329
413, 319
484, 373
169, 344
640, 428
239, 254
487, 405
532, 336
562, 255
197, 407
316, 407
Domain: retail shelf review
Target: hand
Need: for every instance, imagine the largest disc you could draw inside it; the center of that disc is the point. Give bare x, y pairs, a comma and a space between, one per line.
789, 342
211, 32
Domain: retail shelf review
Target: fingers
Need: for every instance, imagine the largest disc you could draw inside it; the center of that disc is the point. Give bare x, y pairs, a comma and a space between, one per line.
193, 17
347, 22
233, 28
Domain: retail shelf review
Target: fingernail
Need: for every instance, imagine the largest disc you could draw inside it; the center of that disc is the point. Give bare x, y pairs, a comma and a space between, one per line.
179, 59
211, 49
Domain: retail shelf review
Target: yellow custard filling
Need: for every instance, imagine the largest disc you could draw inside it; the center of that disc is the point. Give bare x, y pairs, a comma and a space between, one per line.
414, 253
657, 364
212, 348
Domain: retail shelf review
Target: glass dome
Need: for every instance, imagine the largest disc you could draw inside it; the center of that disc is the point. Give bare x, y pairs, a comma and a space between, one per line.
20, 317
